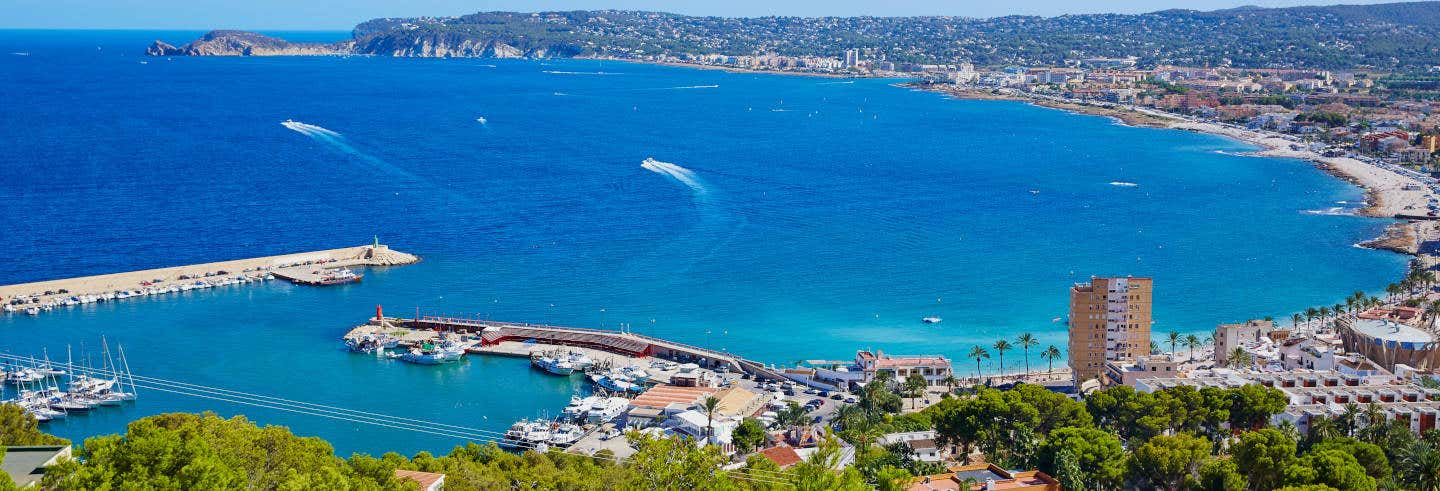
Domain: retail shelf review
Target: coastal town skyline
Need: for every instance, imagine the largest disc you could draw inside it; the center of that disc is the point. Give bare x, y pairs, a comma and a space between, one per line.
1189, 250
321, 16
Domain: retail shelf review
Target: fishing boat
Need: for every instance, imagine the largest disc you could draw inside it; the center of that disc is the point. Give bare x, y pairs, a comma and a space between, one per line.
565, 435
606, 409
434, 353
370, 343
339, 277
553, 365
615, 382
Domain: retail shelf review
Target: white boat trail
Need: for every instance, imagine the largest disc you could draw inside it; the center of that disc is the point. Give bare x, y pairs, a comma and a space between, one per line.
339, 143
1123, 184
563, 72
680, 174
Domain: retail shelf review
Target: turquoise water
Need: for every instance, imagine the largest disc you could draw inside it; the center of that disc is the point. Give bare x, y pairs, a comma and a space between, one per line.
817, 217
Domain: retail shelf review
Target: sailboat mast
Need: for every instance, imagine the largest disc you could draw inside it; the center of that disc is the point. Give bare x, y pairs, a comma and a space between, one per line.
128, 375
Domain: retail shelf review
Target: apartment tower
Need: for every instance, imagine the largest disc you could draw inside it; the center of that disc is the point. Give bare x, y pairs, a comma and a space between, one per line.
1109, 321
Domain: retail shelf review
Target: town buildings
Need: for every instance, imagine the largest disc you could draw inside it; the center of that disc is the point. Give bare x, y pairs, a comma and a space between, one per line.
1109, 321
1229, 336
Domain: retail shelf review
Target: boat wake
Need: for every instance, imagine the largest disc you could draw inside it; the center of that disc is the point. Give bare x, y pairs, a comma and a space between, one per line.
562, 72
846, 82
1123, 184
680, 174
337, 142
1333, 211
688, 87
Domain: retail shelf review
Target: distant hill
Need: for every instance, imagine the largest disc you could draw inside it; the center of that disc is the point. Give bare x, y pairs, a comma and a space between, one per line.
1386, 36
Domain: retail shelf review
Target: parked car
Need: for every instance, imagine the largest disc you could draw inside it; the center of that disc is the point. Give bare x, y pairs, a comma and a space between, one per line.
837, 396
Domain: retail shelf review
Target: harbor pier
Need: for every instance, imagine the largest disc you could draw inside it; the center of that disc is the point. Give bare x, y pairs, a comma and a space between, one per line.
501, 337
301, 267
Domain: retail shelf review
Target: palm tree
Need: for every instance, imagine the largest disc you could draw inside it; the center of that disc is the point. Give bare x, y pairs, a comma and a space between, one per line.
1173, 337
1350, 304
1419, 466
1295, 321
710, 404
1311, 313
1000, 347
1192, 341
1391, 290
978, 354
1025, 341
1338, 309
1239, 358
1051, 354
950, 382
1324, 312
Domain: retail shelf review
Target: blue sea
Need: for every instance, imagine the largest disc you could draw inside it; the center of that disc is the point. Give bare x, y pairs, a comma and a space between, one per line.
789, 218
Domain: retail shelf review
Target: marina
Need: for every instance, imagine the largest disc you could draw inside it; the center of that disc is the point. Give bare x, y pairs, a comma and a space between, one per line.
49, 391
318, 268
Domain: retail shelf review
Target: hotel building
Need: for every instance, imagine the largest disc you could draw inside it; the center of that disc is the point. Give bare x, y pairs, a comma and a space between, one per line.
1109, 321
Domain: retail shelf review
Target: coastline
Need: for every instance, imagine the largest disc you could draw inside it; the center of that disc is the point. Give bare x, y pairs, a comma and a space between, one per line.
1387, 193
729, 69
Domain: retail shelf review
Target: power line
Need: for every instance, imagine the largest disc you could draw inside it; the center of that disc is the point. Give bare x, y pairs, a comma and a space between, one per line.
352, 415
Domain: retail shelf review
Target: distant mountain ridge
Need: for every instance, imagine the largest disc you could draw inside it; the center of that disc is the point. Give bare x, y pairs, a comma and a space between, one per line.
1384, 36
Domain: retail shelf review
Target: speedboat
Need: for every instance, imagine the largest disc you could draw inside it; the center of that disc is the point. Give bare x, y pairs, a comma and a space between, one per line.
605, 409
931, 320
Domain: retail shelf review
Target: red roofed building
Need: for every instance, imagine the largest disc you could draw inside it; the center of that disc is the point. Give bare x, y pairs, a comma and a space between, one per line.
782, 455
934, 368
662, 401
986, 477
429, 481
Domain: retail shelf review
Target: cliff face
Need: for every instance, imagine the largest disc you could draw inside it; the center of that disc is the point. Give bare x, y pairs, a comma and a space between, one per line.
243, 43
397, 42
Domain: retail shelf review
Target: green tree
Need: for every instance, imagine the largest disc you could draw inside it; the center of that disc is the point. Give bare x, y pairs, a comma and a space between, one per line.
1025, 341
978, 354
1168, 462
1220, 474
1370, 456
1173, 338
188, 451
1418, 466
672, 463
1333, 468
1254, 404
19, 428
1100, 457
748, 436
710, 405
1051, 354
1001, 346
5, 483
915, 385
1263, 456
890, 478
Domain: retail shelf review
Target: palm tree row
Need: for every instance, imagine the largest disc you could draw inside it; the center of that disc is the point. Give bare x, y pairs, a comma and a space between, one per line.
1024, 341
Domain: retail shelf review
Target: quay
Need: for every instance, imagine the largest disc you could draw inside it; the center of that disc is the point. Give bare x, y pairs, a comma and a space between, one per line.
300, 267
520, 339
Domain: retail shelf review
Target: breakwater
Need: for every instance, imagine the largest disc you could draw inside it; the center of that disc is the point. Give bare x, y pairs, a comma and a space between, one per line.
301, 267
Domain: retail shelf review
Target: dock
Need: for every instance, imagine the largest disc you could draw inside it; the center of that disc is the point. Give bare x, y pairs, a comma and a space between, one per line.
513, 339
44, 295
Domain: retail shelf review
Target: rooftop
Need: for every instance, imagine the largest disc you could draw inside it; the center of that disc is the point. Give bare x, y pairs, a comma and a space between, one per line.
25, 464
426, 479
1391, 331
782, 455
669, 396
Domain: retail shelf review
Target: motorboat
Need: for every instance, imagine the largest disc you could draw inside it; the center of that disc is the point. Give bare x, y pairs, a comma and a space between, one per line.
931, 320
565, 435
553, 365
